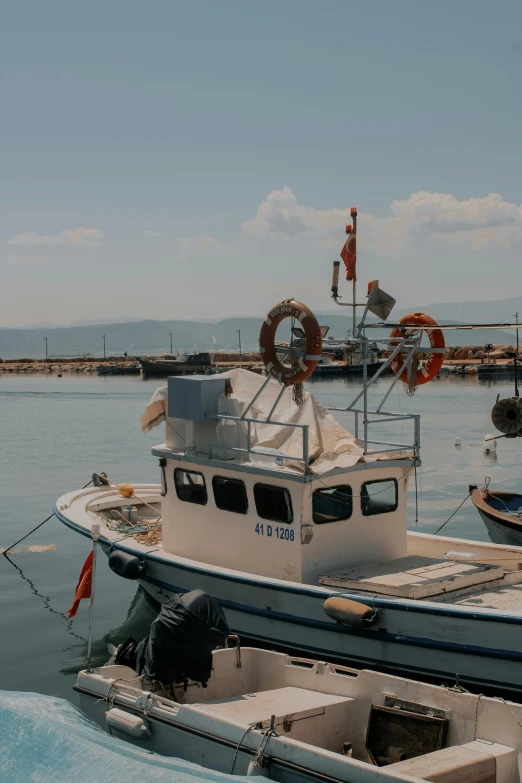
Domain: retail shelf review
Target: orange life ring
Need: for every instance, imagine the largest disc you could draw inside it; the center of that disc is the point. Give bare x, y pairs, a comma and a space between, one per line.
434, 363
313, 345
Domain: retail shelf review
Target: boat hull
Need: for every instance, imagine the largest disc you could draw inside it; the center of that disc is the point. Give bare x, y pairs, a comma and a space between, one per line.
166, 368
502, 529
423, 642
327, 370
420, 638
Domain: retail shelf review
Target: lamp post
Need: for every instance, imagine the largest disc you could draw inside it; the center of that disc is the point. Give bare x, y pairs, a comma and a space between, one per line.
45, 338
239, 333
170, 333
104, 354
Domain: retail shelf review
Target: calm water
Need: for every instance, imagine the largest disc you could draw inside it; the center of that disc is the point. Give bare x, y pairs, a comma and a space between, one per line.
56, 431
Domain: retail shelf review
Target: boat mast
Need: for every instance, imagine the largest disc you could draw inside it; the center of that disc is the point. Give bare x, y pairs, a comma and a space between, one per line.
353, 214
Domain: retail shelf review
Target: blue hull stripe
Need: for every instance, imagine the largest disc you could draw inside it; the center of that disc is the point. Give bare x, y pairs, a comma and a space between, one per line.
378, 636
395, 667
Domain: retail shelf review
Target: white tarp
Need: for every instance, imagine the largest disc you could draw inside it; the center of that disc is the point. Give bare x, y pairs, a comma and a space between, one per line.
329, 444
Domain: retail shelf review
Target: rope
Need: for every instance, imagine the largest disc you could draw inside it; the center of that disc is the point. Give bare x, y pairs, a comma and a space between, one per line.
451, 517
35, 528
238, 748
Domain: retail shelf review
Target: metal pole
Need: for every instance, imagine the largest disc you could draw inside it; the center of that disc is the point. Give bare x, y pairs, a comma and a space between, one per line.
516, 358
104, 353
170, 333
95, 533
239, 333
45, 338
365, 389
353, 215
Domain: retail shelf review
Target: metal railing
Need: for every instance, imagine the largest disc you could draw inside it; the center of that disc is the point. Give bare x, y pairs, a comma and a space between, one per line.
249, 421
410, 346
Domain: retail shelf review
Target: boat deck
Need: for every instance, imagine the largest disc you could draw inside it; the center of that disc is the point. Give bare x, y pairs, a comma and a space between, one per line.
435, 579
507, 598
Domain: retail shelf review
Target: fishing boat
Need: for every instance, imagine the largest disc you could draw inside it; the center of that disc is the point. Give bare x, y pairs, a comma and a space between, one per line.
272, 506
294, 719
339, 358
119, 368
187, 363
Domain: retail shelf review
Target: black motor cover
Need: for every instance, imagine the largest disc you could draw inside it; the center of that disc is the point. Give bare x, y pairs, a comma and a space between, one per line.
181, 640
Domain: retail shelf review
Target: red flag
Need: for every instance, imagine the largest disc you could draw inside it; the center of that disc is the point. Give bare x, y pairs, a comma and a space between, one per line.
84, 586
349, 252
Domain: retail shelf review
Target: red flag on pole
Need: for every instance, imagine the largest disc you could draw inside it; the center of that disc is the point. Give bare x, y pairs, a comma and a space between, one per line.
349, 252
84, 586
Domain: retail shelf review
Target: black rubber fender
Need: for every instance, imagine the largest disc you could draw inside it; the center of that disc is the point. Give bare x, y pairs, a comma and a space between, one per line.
126, 565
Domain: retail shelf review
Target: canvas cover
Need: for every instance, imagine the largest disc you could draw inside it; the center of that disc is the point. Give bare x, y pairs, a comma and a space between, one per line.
330, 445
46, 740
181, 639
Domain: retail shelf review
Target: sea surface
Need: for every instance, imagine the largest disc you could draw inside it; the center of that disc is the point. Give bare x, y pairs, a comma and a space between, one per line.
55, 432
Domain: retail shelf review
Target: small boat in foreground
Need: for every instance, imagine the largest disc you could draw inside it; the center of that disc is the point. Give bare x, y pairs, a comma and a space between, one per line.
293, 719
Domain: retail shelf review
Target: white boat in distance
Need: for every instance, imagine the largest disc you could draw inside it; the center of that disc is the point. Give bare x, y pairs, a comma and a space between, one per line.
295, 720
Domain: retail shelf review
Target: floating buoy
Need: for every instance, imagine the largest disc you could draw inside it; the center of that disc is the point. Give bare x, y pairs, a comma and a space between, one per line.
126, 490
490, 445
348, 612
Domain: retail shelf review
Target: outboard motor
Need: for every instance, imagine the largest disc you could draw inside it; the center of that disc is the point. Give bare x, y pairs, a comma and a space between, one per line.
181, 639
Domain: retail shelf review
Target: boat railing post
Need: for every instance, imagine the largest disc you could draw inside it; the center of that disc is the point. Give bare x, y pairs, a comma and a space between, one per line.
305, 447
249, 435
416, 437
95, 534
364, 347
256, 395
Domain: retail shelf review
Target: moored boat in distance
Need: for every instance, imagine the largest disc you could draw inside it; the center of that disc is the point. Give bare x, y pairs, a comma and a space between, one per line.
119, 368
187, 363
501, 513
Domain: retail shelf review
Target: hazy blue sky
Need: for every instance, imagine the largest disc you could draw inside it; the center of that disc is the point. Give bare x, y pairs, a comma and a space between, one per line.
196, 159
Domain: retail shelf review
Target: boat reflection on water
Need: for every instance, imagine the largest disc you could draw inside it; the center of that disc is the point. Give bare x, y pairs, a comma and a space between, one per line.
141, 613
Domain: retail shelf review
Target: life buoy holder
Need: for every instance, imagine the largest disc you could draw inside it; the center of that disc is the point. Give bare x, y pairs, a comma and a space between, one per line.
286, 375
436, 338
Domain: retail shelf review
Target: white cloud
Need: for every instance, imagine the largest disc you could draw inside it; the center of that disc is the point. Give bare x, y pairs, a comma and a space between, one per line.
192, 247
478, 221
150, 233
87, 237
15, 258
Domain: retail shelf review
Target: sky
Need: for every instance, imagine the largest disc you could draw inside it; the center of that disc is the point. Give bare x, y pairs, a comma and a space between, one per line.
199, 158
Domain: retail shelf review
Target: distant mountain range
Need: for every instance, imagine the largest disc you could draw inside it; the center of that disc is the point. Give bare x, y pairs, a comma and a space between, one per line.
151, 337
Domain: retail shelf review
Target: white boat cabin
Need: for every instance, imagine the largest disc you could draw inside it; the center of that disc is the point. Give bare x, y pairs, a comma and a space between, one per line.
251, 508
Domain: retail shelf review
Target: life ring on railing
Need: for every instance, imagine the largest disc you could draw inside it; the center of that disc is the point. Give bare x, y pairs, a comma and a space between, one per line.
290, 376
432, 366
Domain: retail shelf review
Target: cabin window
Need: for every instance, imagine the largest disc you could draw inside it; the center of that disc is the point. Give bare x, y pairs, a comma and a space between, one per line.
273, 503
332, 504
190, 486
379, 497
230, 494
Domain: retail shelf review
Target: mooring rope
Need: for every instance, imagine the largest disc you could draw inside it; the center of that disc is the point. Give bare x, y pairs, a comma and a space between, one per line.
35, 528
